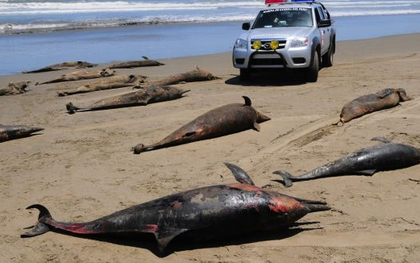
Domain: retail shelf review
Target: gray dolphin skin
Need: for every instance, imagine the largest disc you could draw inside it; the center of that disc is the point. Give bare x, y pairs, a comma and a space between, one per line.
10, 132
367, 161
212, 212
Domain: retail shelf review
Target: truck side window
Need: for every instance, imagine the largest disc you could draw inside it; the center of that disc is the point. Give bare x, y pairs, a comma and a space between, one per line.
321, 13
326, 13
317, 16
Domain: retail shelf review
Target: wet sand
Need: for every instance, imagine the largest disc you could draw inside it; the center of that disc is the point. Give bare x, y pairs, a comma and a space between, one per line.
81, 166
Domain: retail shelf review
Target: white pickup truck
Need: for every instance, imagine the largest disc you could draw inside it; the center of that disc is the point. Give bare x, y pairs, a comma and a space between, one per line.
287, 35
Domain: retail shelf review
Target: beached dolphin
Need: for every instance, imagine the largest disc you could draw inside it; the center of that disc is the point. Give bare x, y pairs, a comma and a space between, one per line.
190, 76
14, 88
141, 97
79, 75
212, 212
136, 63
113, 82
380, 100
10, 132
64, 65
367, 161
221, 121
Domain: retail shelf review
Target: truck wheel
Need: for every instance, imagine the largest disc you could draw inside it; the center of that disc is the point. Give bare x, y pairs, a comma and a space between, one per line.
328, 58
244, 74
312, 75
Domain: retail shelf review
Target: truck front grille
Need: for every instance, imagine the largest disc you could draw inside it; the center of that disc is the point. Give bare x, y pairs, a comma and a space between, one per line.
266, 59
266, 44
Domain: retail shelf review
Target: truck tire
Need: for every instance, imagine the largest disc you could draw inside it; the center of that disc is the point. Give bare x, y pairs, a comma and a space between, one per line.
312, 75
244, 74
328, 58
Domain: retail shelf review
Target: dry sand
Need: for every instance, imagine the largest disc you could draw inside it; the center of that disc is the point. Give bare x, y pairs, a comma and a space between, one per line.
81, 166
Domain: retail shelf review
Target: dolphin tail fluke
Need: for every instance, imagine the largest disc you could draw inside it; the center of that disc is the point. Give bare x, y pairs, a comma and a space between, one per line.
287, 177
71, 109
41, 226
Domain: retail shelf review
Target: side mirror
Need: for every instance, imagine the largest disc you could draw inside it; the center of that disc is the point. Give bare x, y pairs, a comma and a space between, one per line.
324, 23
246, 26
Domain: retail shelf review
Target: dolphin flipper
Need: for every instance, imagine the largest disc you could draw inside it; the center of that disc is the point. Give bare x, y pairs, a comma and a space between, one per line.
365, 172
240, 175
165, 237
380, 139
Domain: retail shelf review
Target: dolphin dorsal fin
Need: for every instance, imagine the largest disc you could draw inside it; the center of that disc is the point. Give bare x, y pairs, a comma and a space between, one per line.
247, 101
385, 92
240, 175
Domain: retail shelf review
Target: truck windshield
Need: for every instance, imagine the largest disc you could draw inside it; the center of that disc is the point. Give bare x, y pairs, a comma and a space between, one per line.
284, 17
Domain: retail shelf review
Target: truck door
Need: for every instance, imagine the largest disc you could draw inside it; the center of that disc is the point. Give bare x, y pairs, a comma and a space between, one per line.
325, 32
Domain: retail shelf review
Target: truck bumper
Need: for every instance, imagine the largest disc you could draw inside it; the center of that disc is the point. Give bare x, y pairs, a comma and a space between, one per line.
280, 58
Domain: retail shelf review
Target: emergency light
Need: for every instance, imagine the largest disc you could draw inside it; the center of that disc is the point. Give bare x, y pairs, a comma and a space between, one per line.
269, 2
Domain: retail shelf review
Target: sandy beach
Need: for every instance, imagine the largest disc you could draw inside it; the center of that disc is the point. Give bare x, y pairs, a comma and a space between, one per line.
81, 166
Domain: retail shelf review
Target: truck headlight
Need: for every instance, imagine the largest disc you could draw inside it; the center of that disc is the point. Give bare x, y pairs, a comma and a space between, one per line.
241, 43
300, 42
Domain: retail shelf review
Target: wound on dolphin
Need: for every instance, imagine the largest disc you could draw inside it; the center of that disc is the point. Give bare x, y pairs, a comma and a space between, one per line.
382, 157
211, 212
141, 97
228, 119
384, 99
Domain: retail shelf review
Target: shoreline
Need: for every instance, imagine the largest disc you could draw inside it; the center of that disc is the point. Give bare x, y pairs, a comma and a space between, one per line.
347, 51
81, 168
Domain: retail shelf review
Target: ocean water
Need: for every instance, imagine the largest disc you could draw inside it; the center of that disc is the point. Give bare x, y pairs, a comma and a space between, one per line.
21, 16
36, 33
